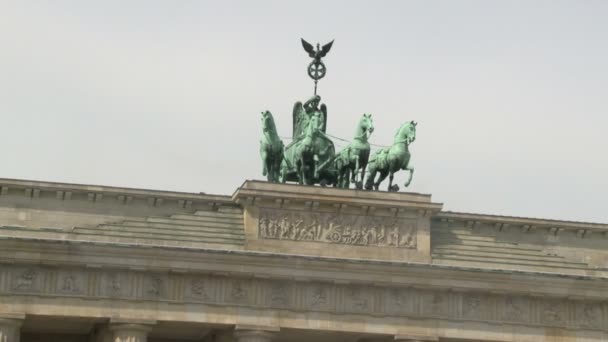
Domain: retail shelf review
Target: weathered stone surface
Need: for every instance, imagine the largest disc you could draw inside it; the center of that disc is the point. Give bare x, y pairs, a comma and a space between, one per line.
303, 262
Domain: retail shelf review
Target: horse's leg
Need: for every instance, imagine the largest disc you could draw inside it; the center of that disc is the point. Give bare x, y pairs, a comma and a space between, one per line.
264, 156
390, 180
283, 174
300, 170
346, 181
409, 180
315, 159
359, 184
381, 178
369, 183
356, 170
274, 172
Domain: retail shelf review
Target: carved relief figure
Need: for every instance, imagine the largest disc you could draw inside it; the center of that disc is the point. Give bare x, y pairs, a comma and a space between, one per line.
318, 297
471, 306
69, 284
590, 315
435, 303
357, 299
154, 286
115, 284
400, 300
551, 312
513, 309
198, 287
237, 292
26, 280
279, 294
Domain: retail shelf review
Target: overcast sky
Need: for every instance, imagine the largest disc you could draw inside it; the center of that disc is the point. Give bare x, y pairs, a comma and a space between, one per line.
511, 96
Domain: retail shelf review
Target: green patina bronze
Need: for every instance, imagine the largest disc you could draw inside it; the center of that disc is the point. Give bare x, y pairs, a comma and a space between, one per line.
310, 158
271, 148
389, 160
303, 112
352, 160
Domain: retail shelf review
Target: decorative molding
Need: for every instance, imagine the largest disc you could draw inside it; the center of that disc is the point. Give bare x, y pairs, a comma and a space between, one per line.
339, 228
313, 296
526, 225
96, 194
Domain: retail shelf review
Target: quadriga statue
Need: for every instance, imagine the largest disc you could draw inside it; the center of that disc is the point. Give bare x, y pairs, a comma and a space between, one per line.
389, 160
352, 160
271, 148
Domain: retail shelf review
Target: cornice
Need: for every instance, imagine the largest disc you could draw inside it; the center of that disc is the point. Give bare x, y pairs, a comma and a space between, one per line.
65, 191
583, 229
57, 253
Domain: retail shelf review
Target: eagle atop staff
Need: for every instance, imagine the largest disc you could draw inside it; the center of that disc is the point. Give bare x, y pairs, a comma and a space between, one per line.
319, 52
316, 68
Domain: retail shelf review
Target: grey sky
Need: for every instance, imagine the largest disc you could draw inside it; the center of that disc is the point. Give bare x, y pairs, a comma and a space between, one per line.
510, 96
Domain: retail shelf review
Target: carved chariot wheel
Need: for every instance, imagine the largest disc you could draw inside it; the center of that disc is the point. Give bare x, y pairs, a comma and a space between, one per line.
316, 70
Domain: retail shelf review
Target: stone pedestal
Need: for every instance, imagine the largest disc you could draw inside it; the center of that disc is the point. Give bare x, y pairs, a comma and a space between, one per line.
130, 332
10, 326
329, 222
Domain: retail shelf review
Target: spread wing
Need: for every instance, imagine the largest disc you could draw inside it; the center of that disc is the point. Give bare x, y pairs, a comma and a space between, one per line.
297, 110
324, 110
325, 49
308, 48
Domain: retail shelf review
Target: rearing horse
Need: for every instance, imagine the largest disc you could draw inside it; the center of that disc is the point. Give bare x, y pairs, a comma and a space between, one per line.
389, 160
271, 148
353, 158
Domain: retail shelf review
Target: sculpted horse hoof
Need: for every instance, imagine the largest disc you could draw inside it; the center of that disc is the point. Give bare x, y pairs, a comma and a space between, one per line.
394, 188
359, 185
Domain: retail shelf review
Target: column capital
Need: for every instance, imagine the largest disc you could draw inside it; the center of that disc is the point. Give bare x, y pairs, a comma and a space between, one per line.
10, 325
130, 330
11, 319
144, 325
130, 327
416, 338
252, 333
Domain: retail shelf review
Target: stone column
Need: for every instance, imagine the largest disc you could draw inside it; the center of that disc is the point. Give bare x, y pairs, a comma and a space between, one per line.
130, 332
254, 334
10, 327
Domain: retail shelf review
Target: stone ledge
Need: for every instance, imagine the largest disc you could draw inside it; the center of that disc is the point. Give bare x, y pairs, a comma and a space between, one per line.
312, 196
525, 224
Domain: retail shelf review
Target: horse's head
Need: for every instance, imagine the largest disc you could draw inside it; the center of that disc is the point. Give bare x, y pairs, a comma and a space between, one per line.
366, 124
406, 133
268, 122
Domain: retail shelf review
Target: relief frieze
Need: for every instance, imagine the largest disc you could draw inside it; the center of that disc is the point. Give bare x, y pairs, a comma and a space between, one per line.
339, 228
310, 296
